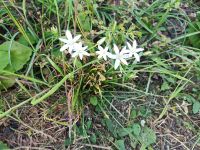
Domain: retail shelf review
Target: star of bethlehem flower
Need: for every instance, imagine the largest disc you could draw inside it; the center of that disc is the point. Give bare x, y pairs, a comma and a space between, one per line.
120, 56
70, 42
80, 51
133, 50
103, 53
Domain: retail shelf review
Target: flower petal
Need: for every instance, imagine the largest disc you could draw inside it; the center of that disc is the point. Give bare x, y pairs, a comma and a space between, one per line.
101, 41
76, 38
124, 61
117, 63
124, 51
75, 54
125, 56
111, 55
116, 49
99, 57
106, 49
81, 56
85, 53
71, 48
134, 44
64, 47
68, 35
98, 52
63, 40
100, 48
105, 57
129, 46
139, 49
137, 57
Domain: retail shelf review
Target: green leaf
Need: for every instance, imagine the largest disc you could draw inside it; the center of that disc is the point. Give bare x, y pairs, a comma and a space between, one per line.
93, 138
136, 129
22, 39
93, 100
3, 146
4, 60
194, 40
84, 21
6, 81
165, 86
120, 145
109, 125
147, 137
196, 107
89, 124
124, 131
133, 114
19, 55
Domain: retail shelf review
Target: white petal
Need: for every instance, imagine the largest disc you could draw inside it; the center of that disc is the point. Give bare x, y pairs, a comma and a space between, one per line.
124, 61
64, 47
139, 49
75, 54
106, 49
105, 57
99, 57
116, 49
76, 38
137, 57
127, 55
84, 48
86, 53
129, 46
68, 35
70, 49
124, 51
134, 44
81, 56
117, 63
100, 48
98, 52
101, 41
111, 55
63, 40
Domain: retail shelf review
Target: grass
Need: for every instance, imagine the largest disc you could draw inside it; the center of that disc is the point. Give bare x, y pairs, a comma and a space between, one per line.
58, 102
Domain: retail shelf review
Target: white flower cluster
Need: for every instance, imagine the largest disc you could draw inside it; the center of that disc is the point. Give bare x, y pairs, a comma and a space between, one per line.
76, 48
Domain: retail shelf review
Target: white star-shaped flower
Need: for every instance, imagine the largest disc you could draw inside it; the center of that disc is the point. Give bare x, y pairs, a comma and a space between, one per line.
69, 41
80, 51
133, 50
120, 56
103, 52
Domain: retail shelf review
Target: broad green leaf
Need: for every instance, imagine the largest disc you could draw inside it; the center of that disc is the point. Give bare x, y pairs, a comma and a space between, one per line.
136, 129
3, 146
13, 56
147, 137
124, 131
93, 138
19, 55
196, 107
93, 100
109, 125
165, 86
22, 39
4, 59
6, 81
194, 40
133, 114
120, 145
